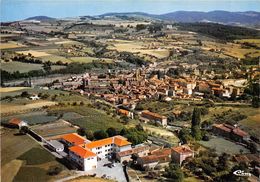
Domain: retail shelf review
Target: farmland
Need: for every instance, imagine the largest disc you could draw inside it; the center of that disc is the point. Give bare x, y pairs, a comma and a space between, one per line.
24, 67
21, 107
10, 45
93, 119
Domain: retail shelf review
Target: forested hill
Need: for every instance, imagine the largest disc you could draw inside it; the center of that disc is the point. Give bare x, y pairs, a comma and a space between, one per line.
219, 31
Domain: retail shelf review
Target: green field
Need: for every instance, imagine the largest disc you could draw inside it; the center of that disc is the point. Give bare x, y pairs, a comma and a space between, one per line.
37, 163
36, 156
24, 67
92, 119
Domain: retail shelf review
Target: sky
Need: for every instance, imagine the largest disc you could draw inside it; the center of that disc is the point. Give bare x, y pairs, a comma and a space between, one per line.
12, 10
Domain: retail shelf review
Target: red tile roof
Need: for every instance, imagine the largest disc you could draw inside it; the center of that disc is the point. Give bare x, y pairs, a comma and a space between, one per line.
74, 139
184, 149
15, 121
82, 152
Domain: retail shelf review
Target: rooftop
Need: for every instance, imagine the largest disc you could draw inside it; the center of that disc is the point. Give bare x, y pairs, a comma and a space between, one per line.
82, 152
74, 138
15, 121
184, 149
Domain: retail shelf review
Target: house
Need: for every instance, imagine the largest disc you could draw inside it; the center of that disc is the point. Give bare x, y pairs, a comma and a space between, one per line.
180, 153
126, 113
126, 155
231, 132
153, 117
239, 135
222, 129
85, 153
18, 123
162, 157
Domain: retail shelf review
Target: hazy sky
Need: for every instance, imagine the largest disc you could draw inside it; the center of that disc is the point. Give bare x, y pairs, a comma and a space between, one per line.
21, 9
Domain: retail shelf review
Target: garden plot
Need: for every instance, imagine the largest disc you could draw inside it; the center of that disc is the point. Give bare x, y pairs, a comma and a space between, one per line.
55, 128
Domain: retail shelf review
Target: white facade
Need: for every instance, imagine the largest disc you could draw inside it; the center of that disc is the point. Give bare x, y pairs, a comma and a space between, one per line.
85, 163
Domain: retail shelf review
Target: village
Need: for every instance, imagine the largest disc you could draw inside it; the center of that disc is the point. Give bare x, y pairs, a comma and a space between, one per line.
118, 98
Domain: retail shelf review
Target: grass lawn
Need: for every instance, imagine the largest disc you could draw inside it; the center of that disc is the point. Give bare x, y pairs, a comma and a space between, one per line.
222, 145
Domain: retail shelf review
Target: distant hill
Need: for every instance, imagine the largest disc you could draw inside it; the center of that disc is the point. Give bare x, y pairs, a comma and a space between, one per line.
40, 18
225, 17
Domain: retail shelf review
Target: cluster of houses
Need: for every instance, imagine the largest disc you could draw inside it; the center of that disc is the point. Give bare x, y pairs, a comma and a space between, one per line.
129, 88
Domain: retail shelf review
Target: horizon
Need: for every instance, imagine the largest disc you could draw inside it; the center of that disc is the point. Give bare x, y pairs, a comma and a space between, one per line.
14, 10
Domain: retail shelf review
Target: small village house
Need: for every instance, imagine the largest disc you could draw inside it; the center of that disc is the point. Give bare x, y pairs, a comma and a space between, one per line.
18, 123
148, 116
181, 153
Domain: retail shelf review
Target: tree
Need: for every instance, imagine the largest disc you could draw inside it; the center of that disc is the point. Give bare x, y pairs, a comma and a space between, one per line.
174, 172
255, 102
196, 133
90, 135
111, 131
252, 147
195, 124
25, 94
184, 135
47, 66
24, 129
81, 131
196, 117
100, 134
223, 161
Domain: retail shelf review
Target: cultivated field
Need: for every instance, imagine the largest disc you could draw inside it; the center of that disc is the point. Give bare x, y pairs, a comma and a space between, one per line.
54, 128
25, 67
231, 49
12, 145
34, 53
92, 119
11, 45
11, 89
16, 108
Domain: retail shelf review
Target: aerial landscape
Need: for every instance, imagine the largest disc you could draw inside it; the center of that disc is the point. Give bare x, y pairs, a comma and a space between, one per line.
122, 90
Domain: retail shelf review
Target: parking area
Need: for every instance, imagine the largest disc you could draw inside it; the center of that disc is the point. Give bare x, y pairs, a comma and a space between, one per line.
114, 172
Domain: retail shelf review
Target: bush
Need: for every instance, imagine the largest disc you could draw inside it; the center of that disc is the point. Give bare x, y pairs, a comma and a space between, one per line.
54, 170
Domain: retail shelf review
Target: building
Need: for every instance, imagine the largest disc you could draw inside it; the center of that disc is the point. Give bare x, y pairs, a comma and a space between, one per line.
180, 153
84, 158
86, 153
56, 145
125, 113
156, 157
231, 132
126, 155
18, 123
147, 116
73, 139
